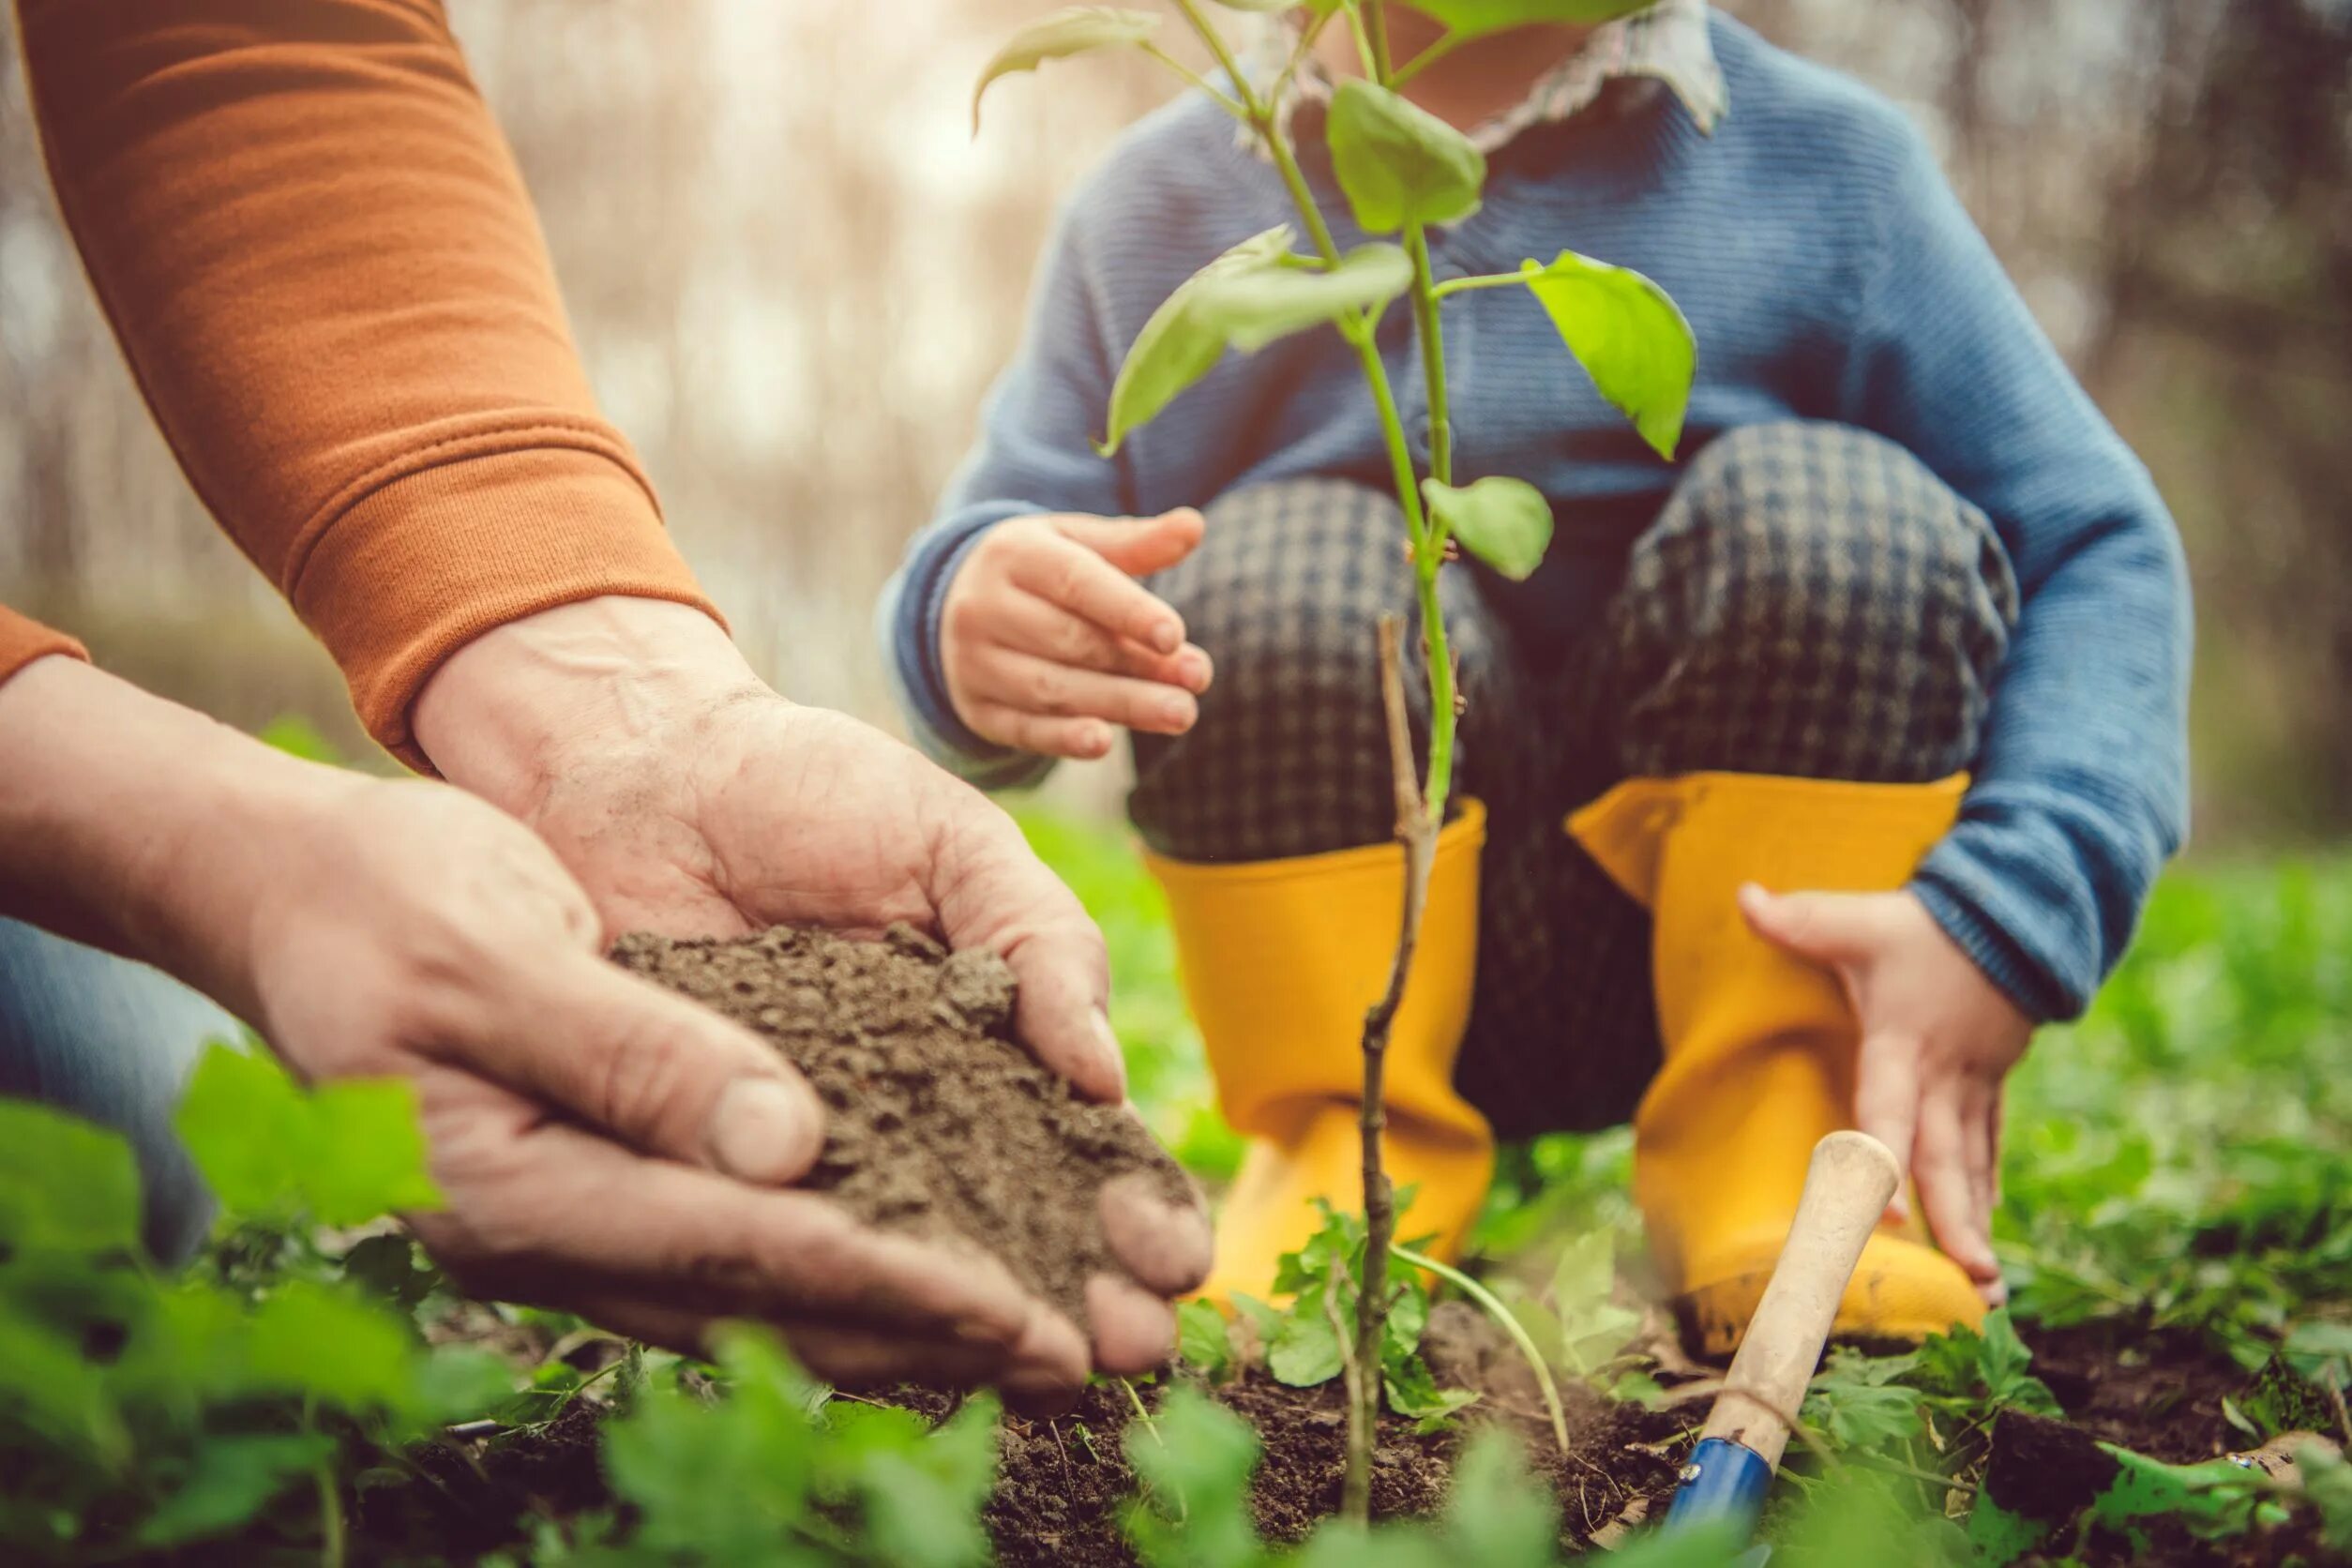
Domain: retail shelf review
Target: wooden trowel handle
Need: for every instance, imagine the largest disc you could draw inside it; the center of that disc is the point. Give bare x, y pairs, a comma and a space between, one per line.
1852, 1178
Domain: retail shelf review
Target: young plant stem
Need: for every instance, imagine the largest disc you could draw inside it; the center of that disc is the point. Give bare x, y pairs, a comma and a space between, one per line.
1420, 813
1492, 1306
1419, 838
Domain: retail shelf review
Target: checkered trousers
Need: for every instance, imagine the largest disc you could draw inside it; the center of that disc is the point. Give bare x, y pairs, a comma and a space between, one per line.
1812, 601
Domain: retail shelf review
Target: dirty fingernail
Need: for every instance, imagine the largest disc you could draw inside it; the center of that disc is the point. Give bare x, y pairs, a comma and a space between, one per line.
765, 1131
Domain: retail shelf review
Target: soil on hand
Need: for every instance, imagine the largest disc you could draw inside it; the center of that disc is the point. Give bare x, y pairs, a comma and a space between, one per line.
939, 1124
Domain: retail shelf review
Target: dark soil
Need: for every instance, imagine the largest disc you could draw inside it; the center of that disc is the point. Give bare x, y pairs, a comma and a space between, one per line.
1065, 1480
2157, 1392
939, 1123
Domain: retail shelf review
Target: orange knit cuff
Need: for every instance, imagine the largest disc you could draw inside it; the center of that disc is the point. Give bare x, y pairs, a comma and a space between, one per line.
24, 640
413, 571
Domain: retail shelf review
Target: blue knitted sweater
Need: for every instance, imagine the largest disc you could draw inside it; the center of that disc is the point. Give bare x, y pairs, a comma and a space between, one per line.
1829, 271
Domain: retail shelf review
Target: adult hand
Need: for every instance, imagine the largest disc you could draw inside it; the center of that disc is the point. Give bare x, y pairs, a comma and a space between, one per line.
604, 1146
689, 799
1047, 640
1938, 1040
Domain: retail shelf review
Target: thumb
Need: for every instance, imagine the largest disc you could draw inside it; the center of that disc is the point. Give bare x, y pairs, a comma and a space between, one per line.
1826, 929
991, 891
1139, 546
661, 1074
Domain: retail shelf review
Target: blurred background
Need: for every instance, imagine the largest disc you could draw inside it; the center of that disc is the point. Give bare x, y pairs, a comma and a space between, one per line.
793, 271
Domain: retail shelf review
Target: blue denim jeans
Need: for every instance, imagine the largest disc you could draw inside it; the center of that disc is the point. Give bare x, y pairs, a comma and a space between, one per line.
112, 1042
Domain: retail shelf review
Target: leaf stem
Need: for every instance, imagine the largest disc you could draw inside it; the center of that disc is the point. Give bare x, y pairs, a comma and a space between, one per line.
1452, 286
1492, 1306
332, 1550
1445, 45
1222, 100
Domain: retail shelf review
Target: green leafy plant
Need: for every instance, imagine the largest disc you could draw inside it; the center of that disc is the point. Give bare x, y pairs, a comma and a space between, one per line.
1402, 171
143, 1413
1309, 1340
775, 1472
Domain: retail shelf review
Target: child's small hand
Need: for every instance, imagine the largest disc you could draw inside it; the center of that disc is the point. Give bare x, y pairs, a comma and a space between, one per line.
1937, 1039
1047, 640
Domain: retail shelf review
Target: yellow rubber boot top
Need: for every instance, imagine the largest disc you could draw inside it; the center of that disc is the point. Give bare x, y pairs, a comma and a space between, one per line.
1280, 961
1759, 1047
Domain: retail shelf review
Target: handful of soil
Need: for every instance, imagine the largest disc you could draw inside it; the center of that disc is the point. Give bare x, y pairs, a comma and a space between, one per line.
937, 1123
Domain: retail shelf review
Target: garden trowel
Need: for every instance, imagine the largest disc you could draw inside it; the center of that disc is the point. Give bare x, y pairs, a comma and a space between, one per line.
1847, 1187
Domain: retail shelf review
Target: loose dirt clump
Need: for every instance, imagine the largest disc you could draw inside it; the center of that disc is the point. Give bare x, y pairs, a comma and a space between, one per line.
939, 1124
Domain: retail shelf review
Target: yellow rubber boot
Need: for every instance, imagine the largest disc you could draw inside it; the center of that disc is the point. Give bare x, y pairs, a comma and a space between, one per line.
1760, 1047
1281, 958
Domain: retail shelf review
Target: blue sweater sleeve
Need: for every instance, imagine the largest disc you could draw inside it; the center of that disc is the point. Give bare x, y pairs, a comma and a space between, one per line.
1034, 455
2081, 790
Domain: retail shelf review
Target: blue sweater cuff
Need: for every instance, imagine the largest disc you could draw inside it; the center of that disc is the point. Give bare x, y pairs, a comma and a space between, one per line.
2006, 961
908, 621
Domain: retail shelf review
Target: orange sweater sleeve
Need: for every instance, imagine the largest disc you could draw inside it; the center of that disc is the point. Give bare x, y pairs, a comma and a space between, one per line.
319, 257
21, 641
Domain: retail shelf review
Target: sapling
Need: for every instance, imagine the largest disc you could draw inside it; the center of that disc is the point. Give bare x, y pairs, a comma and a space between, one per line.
1403, 171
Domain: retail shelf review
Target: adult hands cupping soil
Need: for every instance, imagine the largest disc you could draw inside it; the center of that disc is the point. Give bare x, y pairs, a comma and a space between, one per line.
691, 800
603, 1146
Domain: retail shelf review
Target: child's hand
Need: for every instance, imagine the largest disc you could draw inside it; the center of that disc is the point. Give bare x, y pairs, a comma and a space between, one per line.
1047, 640
1937, 1038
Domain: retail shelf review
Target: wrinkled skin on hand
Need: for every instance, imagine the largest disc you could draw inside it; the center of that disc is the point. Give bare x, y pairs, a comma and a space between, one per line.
691, 800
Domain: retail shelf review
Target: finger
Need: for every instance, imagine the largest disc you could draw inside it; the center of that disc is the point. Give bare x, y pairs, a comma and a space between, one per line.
1885, 1102
1082, 582
1081, 740
1944, 1190
854, 1358
556, 1211
1039, 686
1826, 928
1139, 546
991, 891
1034, 625
659, 1073
1134, 1330
1167, 1246
1980, 1126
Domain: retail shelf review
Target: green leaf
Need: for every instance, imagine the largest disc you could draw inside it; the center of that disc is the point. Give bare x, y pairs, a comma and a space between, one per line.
65, 1185
309, 1341
1247, 298
1505, 522
349, 1153
1202, 1341
1194, 1458
1631, 338
244, 1124
1306, 1351
370, 1158
1398, 163
2000, 1537
232, 1480
1497, 1515
1077, 30
1477, 18
722, 1481
1413, 1392
923, 1498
